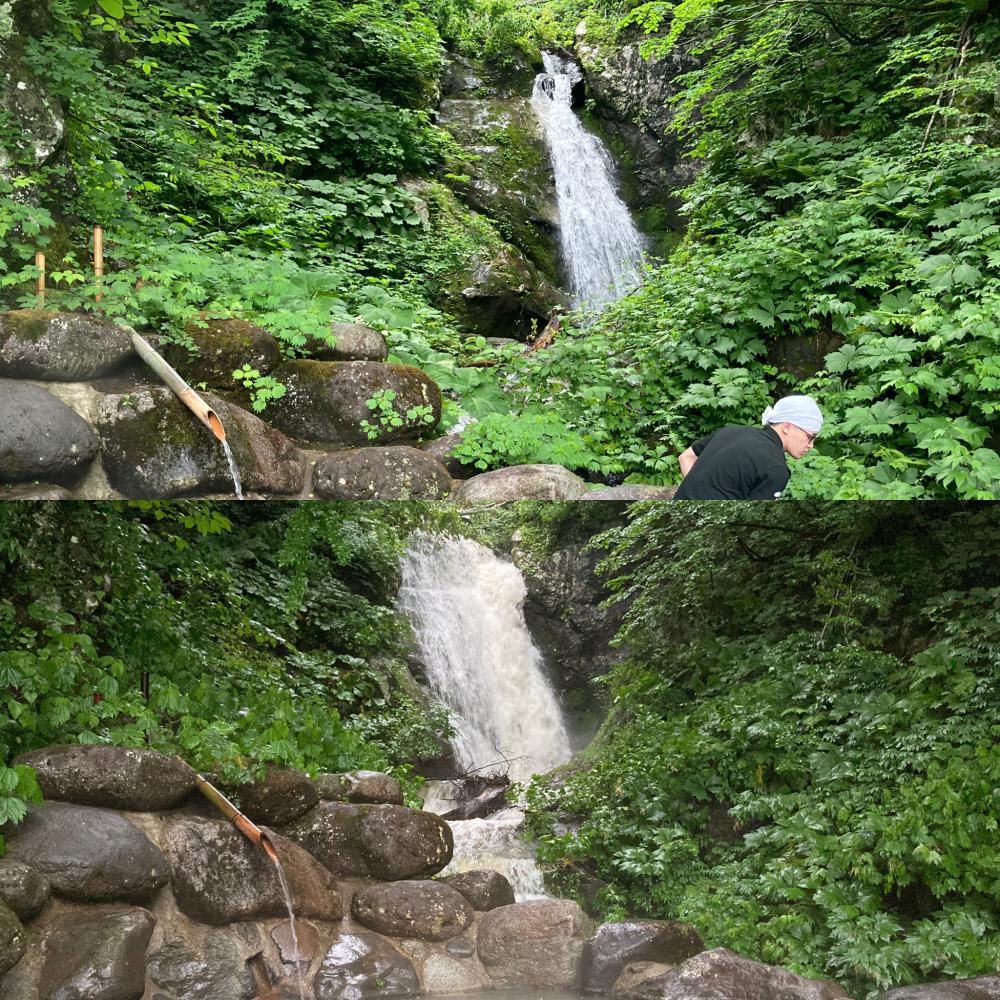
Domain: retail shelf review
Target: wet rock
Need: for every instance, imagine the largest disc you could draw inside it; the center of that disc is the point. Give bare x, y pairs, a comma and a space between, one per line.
358, 966
980, 988
617, 944
88, 854
113, 777
360, 786
634, 491
41, 437
430, 911
13, 940
97, 954
389, 473
23, 889
521, 482
219, 877
326, 402
279, 797
297, 950
61, 347
192, 962
353, 342
385, 842
444, 974
719, 973
484, 890
535, 943
220, 346
154, 447
490, 800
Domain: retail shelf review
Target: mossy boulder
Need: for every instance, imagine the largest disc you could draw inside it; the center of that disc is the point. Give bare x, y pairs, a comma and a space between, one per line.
353, 342
154, 447
327, 402
221, 346
59, 347
413, 908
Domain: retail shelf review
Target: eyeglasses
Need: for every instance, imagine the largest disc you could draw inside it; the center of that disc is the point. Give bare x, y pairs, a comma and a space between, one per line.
809, 437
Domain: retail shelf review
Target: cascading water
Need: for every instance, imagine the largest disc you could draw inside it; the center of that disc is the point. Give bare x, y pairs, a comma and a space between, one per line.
465, 607
601, 247
464, 604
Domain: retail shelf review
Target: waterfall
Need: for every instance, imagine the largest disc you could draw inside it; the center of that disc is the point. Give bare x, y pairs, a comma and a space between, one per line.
464, 604
601, 248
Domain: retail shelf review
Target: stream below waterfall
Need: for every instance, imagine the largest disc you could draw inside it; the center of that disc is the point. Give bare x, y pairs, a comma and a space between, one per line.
465, 605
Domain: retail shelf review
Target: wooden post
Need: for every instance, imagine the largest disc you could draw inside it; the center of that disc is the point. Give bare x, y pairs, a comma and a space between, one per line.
99, 259
40, 264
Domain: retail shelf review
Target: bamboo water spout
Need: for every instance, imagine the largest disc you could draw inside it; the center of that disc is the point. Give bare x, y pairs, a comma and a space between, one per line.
177, 385
249, 830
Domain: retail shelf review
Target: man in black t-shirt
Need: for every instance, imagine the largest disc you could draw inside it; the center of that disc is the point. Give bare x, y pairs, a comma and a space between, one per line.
748, 463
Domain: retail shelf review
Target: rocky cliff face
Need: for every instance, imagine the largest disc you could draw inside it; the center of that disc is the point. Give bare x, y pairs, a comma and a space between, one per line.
631, 97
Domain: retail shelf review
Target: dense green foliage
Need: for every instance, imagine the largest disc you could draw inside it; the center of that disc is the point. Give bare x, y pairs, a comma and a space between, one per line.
802, 753
267, 635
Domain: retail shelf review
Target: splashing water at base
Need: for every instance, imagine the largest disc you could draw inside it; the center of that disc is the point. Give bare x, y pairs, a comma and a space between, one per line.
233, 471
602, 249
464, 603
291, 916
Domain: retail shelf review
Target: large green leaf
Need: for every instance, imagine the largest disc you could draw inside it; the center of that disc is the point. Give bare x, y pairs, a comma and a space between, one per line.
113, 8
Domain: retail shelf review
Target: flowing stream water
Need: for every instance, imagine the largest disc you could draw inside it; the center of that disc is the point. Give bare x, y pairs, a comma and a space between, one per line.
601, 248
297, 957
233, 471
465, 605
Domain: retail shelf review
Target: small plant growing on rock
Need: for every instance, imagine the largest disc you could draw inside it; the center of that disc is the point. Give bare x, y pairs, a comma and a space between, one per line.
263, 388
387, 417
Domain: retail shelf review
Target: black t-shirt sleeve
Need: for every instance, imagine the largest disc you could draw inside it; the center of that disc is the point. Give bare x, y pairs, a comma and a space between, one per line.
702, 443
771, 486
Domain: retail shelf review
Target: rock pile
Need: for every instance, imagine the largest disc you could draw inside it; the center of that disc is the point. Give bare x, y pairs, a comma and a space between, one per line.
82, 417
125, 884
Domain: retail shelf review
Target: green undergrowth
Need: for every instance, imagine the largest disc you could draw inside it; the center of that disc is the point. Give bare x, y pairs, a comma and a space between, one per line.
801, 757
267, 636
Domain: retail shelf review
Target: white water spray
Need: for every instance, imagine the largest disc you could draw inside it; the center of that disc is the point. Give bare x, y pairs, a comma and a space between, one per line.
601, 247
464, 603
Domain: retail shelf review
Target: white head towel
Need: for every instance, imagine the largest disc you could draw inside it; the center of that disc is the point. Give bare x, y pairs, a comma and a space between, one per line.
799, 410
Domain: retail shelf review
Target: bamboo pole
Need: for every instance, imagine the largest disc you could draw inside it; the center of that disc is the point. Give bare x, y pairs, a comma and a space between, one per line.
98, 259
40, 286
253, 833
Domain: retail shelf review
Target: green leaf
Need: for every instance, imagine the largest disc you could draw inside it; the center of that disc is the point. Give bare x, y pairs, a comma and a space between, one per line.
113, 8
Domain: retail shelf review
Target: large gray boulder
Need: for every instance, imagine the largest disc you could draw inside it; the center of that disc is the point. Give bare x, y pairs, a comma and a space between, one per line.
618, 944
353, 342
279, 797
96, 954
980, 988
385, 842
359, 966
327, 402
520, 482
13, 941
59, 347
430, 911
219, 877
395, 472
221, 346
88, 854
484, 890
360, 786
720, 974
154, 447
114, 777
442, 447
535, 943
23, 889
41, 437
